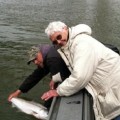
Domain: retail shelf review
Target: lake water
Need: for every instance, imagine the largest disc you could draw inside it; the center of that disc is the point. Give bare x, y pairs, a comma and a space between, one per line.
22, 24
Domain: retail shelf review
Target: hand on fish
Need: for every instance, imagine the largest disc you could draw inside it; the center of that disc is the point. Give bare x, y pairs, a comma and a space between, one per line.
47, 95
14, 94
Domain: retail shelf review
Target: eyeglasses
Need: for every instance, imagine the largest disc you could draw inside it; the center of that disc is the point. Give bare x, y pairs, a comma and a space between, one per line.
55, 42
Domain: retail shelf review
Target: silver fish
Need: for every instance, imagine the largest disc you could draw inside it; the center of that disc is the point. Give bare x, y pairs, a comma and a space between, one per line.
31, 108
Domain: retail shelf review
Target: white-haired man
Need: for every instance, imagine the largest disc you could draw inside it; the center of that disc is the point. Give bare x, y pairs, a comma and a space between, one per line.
93, 66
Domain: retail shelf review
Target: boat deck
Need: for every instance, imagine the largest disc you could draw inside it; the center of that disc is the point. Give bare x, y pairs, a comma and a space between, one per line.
75, 107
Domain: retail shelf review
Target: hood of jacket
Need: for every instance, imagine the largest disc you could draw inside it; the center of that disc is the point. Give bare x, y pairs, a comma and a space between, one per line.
79, 29
75, 31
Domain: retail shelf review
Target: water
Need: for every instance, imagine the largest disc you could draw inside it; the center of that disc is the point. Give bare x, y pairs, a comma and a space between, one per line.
22, 24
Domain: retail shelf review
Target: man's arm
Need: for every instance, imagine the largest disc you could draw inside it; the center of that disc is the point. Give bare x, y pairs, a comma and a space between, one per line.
33, 79
56, 66
29, 82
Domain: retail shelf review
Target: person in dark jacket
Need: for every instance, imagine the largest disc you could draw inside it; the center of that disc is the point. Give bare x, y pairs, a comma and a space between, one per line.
47, 60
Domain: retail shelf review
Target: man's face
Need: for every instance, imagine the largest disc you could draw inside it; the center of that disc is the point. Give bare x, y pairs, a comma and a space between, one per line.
38, 60
60, 38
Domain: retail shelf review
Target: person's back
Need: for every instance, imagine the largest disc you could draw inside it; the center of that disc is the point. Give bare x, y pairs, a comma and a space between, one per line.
56, 64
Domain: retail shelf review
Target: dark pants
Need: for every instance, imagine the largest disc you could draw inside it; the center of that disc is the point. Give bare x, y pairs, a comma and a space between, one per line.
47, 103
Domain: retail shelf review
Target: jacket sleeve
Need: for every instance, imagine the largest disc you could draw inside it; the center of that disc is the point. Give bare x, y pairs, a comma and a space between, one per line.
83, 69
33, 79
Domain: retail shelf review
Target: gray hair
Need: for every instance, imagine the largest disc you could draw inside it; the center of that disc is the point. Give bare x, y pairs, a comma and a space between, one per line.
53, 27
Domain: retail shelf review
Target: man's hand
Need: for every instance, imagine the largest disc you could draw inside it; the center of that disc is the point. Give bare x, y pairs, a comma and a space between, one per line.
52, 84
14, 94
47, 95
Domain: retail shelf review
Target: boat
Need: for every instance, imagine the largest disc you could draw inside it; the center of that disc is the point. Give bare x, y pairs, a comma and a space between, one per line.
75, 107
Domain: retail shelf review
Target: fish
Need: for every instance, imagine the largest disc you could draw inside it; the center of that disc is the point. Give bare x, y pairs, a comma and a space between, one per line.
30, 107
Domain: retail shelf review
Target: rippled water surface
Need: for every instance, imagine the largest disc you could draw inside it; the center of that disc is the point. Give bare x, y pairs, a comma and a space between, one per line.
22, 24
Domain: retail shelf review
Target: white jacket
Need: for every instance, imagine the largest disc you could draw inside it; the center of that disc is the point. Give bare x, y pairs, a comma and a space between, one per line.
95, 67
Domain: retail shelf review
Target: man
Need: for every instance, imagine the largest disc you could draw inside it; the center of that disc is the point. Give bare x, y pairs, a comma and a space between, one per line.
92, 65
47, 59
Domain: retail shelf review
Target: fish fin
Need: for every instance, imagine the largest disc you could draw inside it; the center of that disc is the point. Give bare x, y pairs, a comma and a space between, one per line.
18, 109
13, 105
